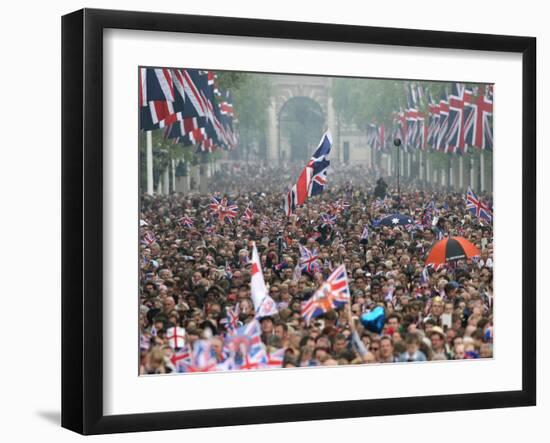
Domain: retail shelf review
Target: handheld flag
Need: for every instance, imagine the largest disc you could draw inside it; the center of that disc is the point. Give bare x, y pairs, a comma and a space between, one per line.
222, 209
263, 303
477, 207
308, 260
248, 214
364, 235
148, 238
333, 294
186, 221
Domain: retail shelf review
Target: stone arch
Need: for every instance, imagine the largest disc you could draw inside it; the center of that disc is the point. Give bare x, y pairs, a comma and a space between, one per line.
300, 121
287, 87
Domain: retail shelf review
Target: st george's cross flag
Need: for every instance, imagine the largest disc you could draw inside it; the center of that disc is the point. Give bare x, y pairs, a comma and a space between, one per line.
312, 179
264, 305
176, 337
333, 293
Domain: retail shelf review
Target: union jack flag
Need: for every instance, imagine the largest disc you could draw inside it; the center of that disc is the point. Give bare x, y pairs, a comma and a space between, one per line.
401, 128
477, 207
339, 206
428, 214
411, 117
231, 320
181, 359
155, 85
222, 209
422, 130
333, 294
441, 142
203, 358
433, 125
254, 358
275, 358
328, 220
227, 365
312, 179
470, 118
455, 133
390, 297
365, 234
376, 136
248, 214
215, 204
148, 238
186, 221
247, 336
228, 271
485, 110
308, 260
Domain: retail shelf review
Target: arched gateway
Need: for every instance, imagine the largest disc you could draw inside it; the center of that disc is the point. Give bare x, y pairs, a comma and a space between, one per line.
293, 95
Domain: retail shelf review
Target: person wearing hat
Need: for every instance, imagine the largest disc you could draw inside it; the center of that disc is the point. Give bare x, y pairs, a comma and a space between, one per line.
438, 341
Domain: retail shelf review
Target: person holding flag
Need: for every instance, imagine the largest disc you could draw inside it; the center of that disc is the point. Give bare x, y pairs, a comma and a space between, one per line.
264, 305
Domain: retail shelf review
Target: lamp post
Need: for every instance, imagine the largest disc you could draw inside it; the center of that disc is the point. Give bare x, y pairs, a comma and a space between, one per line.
397, 144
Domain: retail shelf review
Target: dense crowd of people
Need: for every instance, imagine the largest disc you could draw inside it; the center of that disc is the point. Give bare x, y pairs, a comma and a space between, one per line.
195, 272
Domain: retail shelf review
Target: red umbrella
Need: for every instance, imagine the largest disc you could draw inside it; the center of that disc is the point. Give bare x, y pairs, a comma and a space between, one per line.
451, 249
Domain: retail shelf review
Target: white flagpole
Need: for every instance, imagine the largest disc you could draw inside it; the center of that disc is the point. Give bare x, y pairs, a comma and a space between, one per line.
150, 184
482, 167
173, 175
166, 181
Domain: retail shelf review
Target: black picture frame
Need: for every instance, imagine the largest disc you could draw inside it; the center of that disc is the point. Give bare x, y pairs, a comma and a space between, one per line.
82, 219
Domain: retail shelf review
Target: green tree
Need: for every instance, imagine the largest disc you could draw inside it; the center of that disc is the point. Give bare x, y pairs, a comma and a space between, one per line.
251, 95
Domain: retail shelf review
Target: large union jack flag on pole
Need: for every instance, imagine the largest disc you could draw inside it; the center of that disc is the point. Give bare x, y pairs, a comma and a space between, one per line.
312, 179
485, 110
433, 125
411, 115
470, 118
455, 134
333, 294
441, 141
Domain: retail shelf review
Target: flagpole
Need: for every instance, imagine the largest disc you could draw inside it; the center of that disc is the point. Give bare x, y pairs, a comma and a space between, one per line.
397, 143
482, 171
150, 185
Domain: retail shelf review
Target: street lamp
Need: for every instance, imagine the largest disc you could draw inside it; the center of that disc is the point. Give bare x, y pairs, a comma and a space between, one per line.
397, 144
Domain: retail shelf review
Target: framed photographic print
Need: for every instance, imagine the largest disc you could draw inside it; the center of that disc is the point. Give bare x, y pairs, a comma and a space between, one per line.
271, 221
